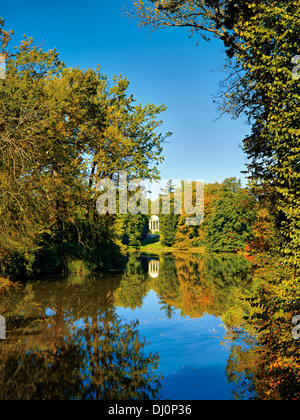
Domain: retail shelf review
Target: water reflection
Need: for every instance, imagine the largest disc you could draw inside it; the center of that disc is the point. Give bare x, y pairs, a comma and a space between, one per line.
66, 342
66, 339
153, 268
195, 284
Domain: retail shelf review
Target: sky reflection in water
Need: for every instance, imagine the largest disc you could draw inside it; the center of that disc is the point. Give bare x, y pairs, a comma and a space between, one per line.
151, 332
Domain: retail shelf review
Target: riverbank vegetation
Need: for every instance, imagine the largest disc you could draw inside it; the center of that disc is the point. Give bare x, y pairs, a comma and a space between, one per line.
84, 347
230, 214
62, 131
262, 46
65, 129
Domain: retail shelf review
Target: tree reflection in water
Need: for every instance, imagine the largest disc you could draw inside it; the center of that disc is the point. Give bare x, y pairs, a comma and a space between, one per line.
81, 350
196, 284
65, 339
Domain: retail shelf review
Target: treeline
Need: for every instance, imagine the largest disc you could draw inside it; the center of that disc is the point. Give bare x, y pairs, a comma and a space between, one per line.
229, 225
262, 44
61, 131
229, 213
261, 40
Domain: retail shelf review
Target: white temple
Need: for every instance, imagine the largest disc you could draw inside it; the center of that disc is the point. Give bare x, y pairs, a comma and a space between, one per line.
154, 224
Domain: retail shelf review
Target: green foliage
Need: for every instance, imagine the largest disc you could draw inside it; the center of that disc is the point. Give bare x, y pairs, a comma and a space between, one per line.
133, 228
268, 95
229, 215
168, 227
187, 235
228, 228
261, 40
168, 219
80, 268
62, 130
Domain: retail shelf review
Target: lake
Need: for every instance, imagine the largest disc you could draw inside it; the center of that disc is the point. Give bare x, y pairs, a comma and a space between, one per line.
153, 331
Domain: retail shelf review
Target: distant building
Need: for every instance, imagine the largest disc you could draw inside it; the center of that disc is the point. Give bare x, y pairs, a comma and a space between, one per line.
154, 224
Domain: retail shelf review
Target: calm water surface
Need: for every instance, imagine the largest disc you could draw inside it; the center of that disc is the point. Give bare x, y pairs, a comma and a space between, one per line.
153, 331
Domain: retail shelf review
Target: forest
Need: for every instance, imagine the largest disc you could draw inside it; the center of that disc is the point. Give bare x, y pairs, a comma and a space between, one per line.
64, 129
261, 39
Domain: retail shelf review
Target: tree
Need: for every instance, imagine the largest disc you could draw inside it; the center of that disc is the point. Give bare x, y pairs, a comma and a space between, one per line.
168, 218
203, 18
168, 226
266, 92
133, 228
62, 130
24, 116
187, 235
261, 40
228, 229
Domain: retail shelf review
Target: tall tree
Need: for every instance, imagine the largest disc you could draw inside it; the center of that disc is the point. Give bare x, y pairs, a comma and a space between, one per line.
168, 218
261, 39
61, 131
228, 228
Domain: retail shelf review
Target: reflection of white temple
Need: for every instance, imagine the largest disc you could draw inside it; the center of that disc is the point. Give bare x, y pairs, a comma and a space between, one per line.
154, 224
153, 268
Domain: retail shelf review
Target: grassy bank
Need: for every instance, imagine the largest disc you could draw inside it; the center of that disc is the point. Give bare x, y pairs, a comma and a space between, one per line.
153, 244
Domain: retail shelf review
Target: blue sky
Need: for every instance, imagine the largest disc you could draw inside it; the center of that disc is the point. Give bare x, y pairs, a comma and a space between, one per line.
165, 67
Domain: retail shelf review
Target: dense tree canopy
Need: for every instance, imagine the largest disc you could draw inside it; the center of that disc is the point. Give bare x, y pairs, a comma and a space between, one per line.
261, 40
62, 130
229, 226
262, 44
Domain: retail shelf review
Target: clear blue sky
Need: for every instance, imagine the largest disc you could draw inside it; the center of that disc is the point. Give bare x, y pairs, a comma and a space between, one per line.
164, 67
